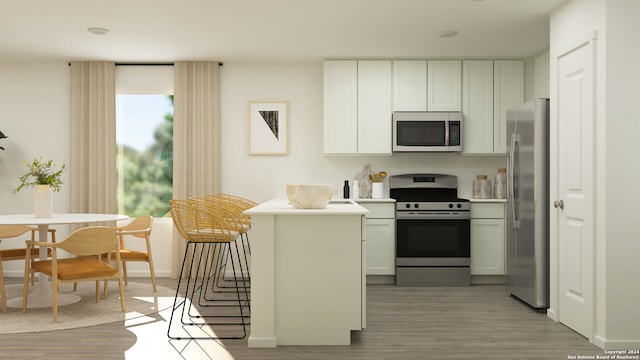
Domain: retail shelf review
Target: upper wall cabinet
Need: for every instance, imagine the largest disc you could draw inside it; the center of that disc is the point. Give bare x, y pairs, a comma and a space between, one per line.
357, 107
410, 85
508, 90
489, 89
341, 106
477, 106
374, 107
541, 77
360, 96
421, 85
444, 81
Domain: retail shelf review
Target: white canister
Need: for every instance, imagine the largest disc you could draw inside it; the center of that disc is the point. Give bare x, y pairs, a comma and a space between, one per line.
355, 190
378, 190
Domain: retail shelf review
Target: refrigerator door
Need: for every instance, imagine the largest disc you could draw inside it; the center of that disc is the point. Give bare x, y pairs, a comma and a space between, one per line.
512, 260
526, 224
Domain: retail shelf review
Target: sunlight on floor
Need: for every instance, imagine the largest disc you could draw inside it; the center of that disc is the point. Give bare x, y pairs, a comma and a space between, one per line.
151, 331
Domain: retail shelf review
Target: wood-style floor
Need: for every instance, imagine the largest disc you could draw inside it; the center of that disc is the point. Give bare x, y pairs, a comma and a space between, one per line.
478, 322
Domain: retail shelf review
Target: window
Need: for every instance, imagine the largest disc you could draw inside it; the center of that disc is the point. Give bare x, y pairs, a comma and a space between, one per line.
144, 138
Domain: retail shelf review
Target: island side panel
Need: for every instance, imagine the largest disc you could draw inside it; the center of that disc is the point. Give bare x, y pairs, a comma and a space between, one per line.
318, 278
263, 326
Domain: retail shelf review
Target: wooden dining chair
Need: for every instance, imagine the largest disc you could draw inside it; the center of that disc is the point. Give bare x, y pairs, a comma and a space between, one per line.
12, 231
90, 245
139, 228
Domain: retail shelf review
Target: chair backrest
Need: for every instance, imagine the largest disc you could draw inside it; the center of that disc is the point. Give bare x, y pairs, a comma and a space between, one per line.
183, 217
11, 231
212, 213
234, 204
142, 225
92, 240
202, 220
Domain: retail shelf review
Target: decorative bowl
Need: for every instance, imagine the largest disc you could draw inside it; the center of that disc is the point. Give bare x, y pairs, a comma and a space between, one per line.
309, 196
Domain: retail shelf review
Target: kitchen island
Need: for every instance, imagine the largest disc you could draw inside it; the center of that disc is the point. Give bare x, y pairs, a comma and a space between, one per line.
308, 281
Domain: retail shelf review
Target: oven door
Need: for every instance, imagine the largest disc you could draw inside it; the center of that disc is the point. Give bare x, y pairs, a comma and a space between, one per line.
432, 238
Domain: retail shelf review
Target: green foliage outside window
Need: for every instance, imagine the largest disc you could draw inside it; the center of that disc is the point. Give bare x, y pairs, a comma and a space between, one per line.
148, 174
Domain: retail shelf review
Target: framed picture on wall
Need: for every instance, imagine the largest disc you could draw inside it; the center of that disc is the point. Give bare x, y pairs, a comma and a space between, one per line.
268, 127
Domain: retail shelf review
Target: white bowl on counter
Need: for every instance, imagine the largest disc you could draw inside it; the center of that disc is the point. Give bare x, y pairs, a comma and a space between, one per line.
309, 196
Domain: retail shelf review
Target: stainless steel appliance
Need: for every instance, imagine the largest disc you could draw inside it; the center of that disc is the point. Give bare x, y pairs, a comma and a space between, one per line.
528, 202
432, 231
427, 131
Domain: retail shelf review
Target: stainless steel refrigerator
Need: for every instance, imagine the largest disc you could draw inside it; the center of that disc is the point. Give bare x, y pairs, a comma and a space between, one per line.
528, 202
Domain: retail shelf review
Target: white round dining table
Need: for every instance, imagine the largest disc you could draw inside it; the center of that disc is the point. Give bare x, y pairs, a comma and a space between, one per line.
41, 296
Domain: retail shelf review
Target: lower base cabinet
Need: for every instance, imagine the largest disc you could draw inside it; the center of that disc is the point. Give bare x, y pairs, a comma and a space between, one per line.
488, 251
380, 235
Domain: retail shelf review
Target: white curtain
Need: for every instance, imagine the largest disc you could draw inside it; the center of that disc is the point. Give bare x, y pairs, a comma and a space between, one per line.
196, 136
92, 165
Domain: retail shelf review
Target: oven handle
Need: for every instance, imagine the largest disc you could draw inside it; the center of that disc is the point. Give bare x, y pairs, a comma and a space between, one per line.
413, 215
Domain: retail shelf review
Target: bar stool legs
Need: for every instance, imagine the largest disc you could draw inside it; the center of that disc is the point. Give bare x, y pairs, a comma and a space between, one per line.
200, 315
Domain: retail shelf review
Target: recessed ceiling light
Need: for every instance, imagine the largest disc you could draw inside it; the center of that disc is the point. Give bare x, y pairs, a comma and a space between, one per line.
98, 30
447, 34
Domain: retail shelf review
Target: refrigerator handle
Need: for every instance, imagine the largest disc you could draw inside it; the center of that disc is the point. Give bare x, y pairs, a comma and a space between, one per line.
511, 162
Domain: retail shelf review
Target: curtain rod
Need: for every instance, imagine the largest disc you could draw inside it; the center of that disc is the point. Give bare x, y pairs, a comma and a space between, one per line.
149, 64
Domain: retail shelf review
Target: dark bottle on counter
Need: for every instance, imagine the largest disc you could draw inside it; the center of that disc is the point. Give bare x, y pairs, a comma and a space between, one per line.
345, 189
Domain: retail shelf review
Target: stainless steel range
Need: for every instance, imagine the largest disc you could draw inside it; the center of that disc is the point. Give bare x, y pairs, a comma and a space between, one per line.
432, 231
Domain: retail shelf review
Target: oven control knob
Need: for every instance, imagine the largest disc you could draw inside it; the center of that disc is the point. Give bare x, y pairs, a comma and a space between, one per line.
450, 206
408, 206
416, 206
459, 206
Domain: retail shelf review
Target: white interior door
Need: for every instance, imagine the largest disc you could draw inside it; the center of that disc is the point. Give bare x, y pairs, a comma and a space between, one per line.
575, 121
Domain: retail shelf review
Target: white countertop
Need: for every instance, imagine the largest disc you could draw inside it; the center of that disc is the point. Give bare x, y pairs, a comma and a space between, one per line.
283, 207
488, 200
370, 200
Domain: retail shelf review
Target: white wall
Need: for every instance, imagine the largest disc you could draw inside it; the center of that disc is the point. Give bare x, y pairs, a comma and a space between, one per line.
622, 171
617, 246
34, 99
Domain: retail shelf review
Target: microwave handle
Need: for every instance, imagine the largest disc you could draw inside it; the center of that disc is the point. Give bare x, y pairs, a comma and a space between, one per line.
446, 133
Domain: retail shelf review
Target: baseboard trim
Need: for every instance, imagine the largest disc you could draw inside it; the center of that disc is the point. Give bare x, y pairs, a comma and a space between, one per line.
622, 345
265, 342
488, 280
381, 280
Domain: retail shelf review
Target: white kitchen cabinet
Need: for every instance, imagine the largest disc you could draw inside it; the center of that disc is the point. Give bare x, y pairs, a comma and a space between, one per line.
489, 88
444, 85
477, 106
341, 106
380, 235
357, 107
410, 85
487, 239
541, 76
374, 107
508, 90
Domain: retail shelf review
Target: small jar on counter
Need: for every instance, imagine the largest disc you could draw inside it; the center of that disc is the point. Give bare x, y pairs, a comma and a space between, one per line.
481, 187
500, 184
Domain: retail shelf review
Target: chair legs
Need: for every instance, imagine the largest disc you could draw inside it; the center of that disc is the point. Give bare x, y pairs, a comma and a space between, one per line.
246, 250
3, 293
197, 311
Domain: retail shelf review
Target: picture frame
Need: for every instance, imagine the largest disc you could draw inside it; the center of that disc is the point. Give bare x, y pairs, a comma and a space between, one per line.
268, 127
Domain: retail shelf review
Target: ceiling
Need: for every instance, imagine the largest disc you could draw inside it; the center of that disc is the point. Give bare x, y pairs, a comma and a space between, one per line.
270, 30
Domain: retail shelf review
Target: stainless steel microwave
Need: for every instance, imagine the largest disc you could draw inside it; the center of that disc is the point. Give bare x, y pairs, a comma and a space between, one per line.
427, 131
